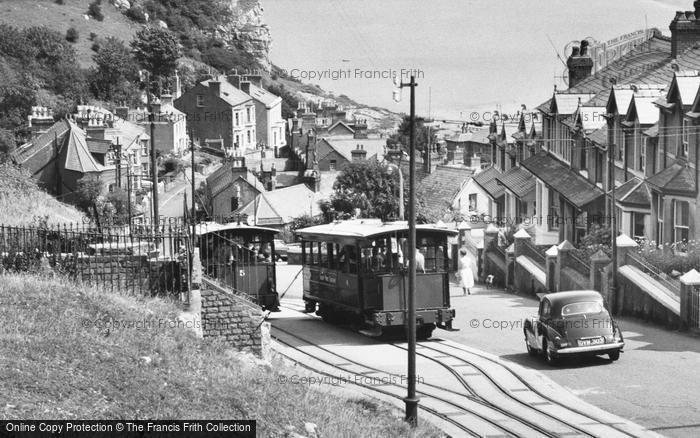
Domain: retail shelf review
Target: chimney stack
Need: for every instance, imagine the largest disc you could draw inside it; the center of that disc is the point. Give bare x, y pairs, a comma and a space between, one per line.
215, 87
579, 64
359, 154
245, 87
685, 30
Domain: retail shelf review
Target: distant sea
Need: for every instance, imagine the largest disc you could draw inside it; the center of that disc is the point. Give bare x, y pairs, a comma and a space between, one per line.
468, 55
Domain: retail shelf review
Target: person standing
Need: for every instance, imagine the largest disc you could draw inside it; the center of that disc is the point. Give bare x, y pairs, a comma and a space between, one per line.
464, 269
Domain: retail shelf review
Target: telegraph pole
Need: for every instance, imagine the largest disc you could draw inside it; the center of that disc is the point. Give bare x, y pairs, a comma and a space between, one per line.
154, 165
194, 207
411, 400
613, 231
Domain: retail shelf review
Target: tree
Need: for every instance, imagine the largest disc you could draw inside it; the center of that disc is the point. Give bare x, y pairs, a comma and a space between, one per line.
115, 71
72, 35
368, 185
8, 143
87, 192
157, 50
95, 10
423, 134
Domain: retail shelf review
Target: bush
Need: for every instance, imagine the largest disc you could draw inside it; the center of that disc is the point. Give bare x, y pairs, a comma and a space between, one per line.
72, 35
60, 2
95, 10
93, 35
137, 14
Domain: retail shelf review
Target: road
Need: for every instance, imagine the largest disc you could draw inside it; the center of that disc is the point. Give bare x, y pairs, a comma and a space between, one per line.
653, 383
171, 202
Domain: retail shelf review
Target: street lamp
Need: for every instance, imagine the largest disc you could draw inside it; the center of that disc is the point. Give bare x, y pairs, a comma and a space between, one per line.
411, 400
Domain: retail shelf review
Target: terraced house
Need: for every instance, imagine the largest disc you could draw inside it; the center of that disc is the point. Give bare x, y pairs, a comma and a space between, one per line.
644, 109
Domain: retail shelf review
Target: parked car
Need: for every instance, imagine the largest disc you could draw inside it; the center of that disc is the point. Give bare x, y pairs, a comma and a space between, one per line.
573, 323
281, 249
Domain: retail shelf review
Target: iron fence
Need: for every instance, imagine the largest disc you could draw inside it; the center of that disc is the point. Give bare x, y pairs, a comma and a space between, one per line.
673, 285
133, 258
579, 265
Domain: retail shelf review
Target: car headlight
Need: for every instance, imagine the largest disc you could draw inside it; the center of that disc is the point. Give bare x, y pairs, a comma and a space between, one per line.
560, 343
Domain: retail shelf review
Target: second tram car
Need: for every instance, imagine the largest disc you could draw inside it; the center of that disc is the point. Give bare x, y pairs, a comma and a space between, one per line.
241, 257
356, 269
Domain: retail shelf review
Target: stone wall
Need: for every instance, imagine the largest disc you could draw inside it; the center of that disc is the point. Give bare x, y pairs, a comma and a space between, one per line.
633, 301
233, 319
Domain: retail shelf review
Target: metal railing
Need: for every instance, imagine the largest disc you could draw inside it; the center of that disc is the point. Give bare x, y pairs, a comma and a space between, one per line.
579, 265
536, 254
672, 284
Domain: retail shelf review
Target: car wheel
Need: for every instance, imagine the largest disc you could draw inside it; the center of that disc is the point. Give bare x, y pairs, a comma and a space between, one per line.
548, 355
531, 351
614, 355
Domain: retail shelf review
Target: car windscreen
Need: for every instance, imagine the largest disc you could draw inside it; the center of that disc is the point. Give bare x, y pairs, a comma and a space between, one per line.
581, 308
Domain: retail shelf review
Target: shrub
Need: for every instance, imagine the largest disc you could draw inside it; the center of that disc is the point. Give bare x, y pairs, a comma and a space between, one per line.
95, 10
72, 35
60, 2
137, 14
93, 35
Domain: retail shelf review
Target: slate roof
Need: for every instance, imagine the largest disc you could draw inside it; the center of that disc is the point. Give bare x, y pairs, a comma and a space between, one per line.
281, 206
443, 185
230, 94
634, 192
687, 83
644, 109
590, 117
600, 135
344, 146
127, 132
41, 149
75, 155
569, 183
263, 96
567, 103
224, 176
678, 178
486, 179
97, 146
518, 180
653, 131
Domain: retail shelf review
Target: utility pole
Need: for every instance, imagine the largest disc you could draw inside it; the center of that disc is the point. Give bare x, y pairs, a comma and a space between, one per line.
194, 207
613, 231
411, 400
154, 165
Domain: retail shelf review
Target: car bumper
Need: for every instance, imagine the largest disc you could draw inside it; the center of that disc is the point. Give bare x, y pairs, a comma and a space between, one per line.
600, 348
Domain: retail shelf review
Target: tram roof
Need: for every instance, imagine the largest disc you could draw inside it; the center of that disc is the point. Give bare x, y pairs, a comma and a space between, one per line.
363, 228
210, 227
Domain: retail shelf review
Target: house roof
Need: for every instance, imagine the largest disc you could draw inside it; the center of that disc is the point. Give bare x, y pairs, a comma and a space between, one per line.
366, 228
634, 192
653, 131
76, 155
565, 104
97, 146
678, 178
281, 206
591, 118
41, 148
127, 132
574, 187
517, 180
600, 135
687, 83
486, 179
226, 175
263, 96
230, 94
443, 185
644, 109
460, 137
344, 146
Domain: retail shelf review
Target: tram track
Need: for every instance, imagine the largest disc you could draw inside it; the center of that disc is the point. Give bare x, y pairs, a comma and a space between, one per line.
552, 430
518, 377
445, 416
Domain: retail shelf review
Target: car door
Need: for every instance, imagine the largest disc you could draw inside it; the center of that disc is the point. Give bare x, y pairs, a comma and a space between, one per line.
545, 314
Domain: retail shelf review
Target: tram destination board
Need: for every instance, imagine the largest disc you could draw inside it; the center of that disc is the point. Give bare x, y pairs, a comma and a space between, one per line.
126, 428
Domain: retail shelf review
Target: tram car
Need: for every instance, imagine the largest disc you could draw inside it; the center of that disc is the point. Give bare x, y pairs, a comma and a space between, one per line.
355, 271
241, 257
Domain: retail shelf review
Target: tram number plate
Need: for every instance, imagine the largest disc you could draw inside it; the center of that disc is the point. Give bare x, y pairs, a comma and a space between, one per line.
587, 342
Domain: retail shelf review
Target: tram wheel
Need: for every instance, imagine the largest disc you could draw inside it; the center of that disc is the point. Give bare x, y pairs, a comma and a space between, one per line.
309, 306
425, 332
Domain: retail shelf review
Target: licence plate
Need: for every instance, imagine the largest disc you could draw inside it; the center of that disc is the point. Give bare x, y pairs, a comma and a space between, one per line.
587, 342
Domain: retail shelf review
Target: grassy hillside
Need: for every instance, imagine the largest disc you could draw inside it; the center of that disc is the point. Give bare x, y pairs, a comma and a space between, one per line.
22, 202
27, 13
55, 363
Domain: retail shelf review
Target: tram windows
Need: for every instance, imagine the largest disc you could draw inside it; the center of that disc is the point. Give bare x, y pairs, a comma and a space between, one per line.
433, 251
347, 260
334, 256
375, 257
323, 254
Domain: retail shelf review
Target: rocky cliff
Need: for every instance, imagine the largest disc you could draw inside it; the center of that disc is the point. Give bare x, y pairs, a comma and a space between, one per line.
247, 30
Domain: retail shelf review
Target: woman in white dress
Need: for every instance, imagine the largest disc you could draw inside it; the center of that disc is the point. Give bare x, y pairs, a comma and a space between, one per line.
464, 269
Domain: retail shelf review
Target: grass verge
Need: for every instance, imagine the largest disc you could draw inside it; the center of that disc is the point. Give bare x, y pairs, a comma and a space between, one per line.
57, 363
